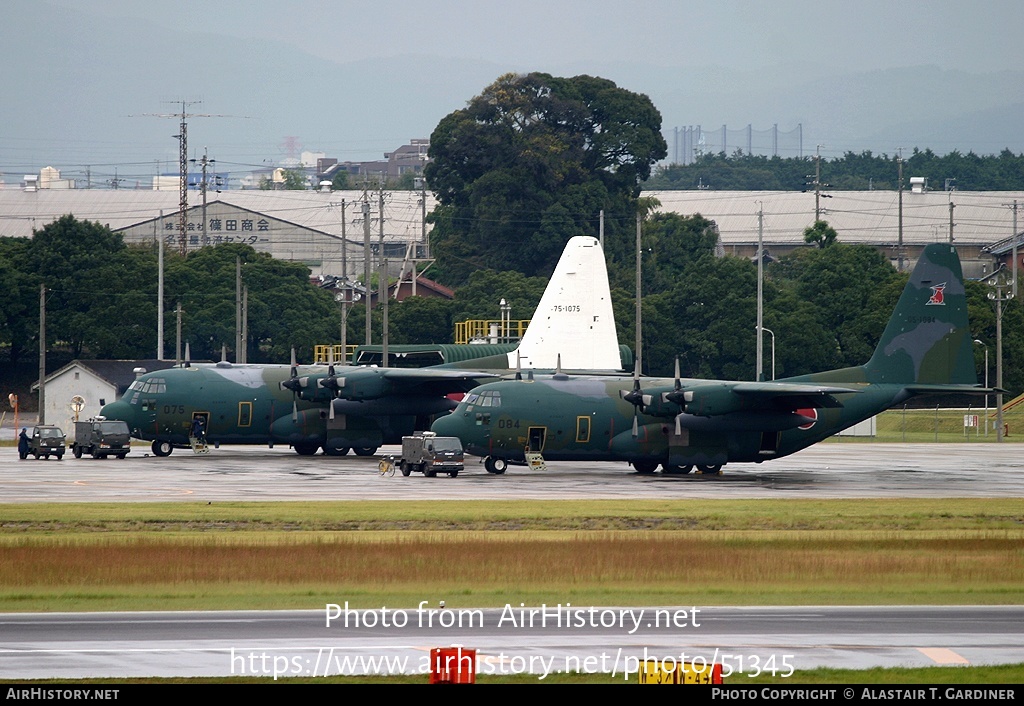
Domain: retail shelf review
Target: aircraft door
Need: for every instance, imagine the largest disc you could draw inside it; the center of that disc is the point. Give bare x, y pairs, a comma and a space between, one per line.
205, 416
535, 439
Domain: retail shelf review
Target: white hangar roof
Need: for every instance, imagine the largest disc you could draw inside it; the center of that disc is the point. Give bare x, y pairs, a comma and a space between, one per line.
21, 211
979, 217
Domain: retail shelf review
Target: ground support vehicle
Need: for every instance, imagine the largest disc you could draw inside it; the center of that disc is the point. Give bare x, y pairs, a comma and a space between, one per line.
101, 437
46, 441
430, 454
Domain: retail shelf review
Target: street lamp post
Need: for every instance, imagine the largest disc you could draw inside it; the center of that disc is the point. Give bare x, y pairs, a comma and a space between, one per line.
505, 322
1002, 294
980, 343
768, 330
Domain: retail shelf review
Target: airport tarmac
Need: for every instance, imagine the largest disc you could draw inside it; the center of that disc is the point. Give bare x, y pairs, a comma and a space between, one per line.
835, 469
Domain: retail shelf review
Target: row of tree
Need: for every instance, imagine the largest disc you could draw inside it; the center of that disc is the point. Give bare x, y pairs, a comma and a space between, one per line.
851, 172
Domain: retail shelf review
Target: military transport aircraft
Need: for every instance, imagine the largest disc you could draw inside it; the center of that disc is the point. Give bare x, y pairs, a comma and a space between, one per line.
338, 408
679, 424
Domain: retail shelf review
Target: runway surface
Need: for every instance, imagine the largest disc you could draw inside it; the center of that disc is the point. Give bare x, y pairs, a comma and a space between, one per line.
744, 640
827, 470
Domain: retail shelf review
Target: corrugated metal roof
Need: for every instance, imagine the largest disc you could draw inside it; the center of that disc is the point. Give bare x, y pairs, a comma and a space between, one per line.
21, 211
979, 217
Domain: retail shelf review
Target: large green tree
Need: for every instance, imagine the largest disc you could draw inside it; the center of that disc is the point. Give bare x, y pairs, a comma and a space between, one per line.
19, 298
96, 299
531, 162
284, 309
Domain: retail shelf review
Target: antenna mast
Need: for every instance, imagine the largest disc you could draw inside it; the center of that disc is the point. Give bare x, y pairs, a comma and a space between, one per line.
182, 138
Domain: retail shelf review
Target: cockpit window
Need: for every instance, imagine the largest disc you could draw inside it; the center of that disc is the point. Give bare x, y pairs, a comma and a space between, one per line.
150, 386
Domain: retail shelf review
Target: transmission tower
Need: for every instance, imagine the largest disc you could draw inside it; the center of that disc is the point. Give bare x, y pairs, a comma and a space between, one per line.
182, 138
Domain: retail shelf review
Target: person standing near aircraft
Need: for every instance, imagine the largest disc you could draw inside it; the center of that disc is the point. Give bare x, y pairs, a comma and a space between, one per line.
23, 444
198, 430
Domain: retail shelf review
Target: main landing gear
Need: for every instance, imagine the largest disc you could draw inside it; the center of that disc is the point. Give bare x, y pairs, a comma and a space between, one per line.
497, 466
160, 448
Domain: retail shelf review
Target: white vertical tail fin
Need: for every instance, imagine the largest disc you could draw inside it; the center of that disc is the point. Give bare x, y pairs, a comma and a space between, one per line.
574, 319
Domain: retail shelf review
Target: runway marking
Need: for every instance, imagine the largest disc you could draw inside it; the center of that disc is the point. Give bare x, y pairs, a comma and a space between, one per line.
942, 655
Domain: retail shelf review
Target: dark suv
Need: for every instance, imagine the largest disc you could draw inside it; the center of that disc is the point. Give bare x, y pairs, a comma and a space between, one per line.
46, 441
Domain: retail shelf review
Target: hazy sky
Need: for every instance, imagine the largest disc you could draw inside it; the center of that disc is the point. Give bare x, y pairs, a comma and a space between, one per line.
78, 81
843, 34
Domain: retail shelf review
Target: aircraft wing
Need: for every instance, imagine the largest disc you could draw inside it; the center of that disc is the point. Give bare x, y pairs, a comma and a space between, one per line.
787, 395
430, 381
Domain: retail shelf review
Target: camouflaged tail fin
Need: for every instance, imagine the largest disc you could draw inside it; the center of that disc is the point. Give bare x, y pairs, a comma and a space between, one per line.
927, 340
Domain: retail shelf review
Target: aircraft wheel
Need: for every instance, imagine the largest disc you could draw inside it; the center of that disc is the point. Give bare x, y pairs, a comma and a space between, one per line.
160, 448
365, 450
712, 470
405, 468
676, 470
497, 466
645, 467
305, 449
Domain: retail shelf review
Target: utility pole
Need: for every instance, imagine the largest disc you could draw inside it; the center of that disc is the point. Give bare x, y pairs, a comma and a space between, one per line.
639, 343
899, 182
244, 350
160, 292
346, 289
817, 185
999, 298
951, 206
818, 196
42, 354
177, 344
760, 294
366, 266
204, 162
238, 310
1015, 238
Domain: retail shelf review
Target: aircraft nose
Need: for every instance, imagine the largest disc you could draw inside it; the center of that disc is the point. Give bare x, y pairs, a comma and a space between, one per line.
449, 425
121, 411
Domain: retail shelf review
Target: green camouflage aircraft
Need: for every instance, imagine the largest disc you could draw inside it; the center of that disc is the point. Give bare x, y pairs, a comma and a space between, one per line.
682, 423
337, 408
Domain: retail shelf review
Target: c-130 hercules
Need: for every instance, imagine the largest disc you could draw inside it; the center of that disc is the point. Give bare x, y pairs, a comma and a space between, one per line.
338, 408
681, 423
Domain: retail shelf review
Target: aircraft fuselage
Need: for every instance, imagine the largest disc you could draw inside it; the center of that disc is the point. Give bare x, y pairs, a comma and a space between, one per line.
587, 419
243, 404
